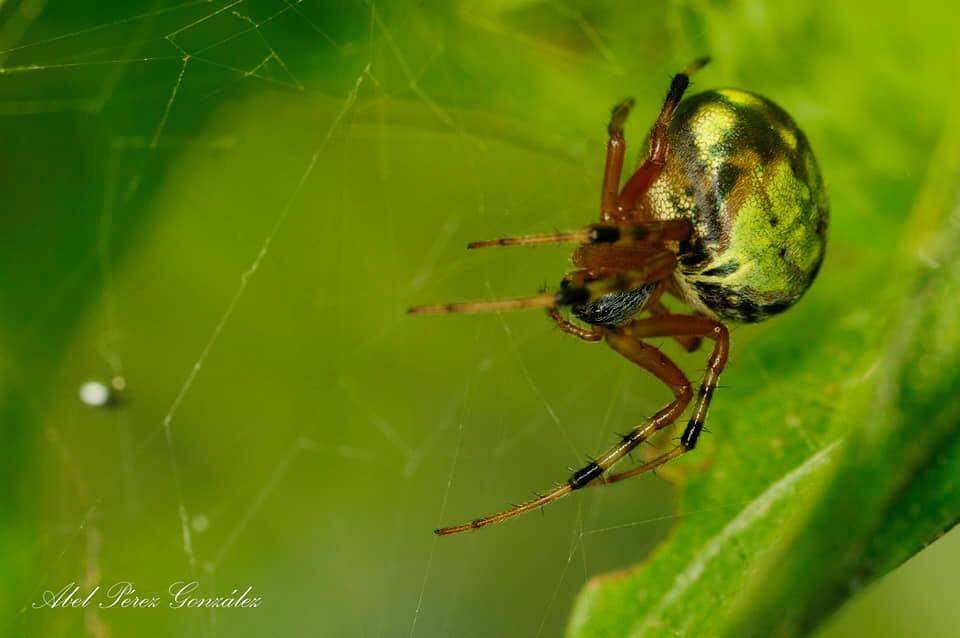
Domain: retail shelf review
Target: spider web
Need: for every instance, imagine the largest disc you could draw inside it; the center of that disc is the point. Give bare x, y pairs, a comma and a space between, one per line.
284, 425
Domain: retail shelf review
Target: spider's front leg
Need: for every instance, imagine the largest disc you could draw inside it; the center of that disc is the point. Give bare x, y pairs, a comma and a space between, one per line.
581, 288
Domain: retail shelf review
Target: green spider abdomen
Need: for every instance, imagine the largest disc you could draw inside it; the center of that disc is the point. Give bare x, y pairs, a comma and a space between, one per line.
744, 175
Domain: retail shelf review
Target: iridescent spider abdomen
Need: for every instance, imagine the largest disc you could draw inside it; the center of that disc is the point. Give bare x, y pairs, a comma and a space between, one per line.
742, 172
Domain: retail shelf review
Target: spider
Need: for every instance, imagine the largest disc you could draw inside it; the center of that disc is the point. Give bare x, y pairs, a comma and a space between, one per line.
727, 212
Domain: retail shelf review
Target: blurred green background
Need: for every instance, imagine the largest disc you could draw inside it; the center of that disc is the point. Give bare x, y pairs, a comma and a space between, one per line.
230, 204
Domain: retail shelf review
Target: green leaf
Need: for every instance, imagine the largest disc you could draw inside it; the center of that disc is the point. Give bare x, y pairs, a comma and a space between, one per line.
878, 480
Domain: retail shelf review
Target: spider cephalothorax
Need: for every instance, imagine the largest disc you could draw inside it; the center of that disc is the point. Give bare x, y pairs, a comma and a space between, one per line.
727, 212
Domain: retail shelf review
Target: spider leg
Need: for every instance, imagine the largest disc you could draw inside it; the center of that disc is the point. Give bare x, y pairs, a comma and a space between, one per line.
654, 361
687, 342
647, 357
679, 325
616, 149
638, 184
558, 492
649, 466
644, 258
648, 231
573, 329
601, 258
656, 268
655, 307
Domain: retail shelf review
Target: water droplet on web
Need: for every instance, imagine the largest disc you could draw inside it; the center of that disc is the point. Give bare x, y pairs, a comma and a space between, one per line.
94, 393
200, 523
